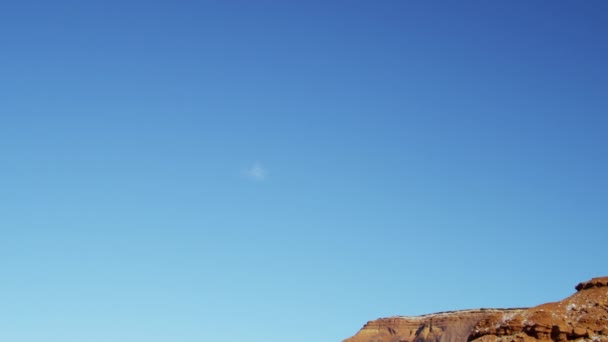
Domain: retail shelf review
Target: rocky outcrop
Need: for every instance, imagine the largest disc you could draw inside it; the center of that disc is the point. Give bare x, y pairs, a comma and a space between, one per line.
451, 326
580, 317
595, 282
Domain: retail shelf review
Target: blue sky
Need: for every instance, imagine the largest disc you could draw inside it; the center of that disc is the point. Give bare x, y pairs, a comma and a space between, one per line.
211, 170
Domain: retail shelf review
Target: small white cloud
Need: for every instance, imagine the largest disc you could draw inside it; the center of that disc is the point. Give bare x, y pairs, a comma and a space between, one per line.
257, 172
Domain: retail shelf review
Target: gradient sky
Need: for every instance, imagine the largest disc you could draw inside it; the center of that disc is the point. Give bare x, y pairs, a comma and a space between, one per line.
285, 171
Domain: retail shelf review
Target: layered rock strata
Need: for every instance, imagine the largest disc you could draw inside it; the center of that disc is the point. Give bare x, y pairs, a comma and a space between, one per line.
580, 317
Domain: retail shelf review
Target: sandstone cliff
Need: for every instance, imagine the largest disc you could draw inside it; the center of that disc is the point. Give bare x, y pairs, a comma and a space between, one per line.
580, 317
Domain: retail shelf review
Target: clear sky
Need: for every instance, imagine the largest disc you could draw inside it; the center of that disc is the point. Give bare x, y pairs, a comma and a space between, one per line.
285, 171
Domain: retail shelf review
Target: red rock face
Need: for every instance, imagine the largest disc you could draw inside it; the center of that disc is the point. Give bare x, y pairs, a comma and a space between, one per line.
580, 317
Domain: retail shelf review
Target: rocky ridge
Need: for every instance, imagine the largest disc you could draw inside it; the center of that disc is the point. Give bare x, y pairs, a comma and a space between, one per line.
580, 317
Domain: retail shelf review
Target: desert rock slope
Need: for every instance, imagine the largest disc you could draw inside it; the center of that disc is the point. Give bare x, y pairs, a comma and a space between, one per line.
580, 317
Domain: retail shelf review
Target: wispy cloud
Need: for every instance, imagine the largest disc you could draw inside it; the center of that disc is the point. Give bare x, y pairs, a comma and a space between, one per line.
256, 172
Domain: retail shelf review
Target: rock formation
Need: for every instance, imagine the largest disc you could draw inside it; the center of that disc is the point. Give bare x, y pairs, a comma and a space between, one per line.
580, 317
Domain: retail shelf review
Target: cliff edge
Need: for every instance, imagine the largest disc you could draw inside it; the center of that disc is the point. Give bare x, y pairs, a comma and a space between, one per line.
580, 317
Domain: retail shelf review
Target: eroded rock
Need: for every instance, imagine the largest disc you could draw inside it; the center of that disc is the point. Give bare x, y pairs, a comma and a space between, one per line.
580, 317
